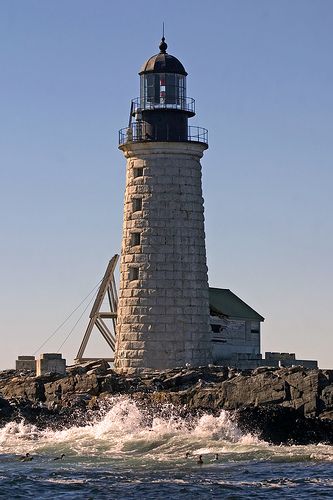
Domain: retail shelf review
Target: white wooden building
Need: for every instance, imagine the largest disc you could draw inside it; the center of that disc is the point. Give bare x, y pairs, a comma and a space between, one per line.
235, 325
236, 335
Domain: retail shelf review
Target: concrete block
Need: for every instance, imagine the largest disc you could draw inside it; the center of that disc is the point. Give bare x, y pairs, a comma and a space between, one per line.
50, 363
25, 363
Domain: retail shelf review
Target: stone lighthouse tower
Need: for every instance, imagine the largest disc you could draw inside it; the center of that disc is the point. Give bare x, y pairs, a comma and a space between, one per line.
163, 309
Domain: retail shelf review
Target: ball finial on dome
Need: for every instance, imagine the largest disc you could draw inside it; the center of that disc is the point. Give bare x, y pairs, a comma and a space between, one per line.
163, 46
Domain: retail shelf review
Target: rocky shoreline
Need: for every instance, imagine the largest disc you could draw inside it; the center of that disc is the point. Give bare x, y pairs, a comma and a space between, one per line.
285, 405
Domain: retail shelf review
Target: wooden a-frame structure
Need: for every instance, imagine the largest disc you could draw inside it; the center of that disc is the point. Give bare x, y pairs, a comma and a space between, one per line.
97, 317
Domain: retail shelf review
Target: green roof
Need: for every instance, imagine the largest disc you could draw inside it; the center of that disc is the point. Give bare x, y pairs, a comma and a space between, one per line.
223, 301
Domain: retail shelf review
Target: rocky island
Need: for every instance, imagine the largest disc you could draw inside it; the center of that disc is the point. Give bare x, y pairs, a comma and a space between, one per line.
279, 405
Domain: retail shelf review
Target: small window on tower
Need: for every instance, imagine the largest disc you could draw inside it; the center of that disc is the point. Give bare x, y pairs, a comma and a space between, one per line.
216, 328
138, 172
137, 204
133, 273
135, 239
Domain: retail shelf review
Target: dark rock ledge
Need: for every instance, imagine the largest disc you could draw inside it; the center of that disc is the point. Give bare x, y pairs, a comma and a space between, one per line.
285, 405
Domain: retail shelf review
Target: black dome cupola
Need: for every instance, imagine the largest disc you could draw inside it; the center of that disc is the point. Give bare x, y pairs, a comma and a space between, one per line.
163, 62
162, 111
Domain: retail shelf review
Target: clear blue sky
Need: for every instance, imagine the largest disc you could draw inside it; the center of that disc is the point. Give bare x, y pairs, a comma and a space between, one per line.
262, 75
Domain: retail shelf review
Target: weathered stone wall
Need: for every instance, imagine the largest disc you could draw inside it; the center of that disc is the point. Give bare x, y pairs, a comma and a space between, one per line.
163, 309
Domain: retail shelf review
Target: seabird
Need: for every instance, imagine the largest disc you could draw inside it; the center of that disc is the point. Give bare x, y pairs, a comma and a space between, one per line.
60, 458
26, 458
187, 454
216, 456
200, 461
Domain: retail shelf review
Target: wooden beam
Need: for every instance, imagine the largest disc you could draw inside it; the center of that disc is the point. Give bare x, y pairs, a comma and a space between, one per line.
106, 333
96, 316
106, 315
105, 283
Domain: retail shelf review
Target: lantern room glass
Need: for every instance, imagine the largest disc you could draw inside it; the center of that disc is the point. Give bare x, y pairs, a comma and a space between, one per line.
166, 90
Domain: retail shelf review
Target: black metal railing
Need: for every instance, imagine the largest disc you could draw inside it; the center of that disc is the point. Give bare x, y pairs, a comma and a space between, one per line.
197, 134
179, 103
137, 132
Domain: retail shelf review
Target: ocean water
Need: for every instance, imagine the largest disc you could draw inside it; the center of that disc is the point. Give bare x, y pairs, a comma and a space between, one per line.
128, 453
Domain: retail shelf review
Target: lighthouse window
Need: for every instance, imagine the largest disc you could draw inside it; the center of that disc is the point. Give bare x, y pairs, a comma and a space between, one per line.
181, 87
152, 88
135, 239
133, 273
138, 172
163, 90
137, 204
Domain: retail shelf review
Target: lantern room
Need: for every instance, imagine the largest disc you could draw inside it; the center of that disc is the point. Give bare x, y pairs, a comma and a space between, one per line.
163, 81
162, 89
162, 111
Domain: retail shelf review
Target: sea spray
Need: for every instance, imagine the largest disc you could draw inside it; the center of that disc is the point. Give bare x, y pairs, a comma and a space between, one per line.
124, 426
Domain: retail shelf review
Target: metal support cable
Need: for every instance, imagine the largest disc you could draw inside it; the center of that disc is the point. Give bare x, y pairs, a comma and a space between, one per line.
68, 317
75, 324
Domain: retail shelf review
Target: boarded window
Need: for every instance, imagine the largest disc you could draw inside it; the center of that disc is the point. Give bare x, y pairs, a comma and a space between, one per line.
135, 239
138, 172
134, 273
137, 204
255, 327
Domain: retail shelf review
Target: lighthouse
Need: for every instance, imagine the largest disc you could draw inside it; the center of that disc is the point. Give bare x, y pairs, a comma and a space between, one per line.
163, 307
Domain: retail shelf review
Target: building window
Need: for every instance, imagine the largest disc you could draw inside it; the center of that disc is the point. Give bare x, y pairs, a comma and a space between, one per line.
138, 172
135, 239
133, 273
137, 204
216, 328
255, 327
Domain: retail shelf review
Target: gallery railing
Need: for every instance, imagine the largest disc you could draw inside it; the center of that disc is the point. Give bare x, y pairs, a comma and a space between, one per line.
138, 132
163, 102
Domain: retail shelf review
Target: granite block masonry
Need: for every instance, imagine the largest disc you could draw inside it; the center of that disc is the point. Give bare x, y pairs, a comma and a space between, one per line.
163, 308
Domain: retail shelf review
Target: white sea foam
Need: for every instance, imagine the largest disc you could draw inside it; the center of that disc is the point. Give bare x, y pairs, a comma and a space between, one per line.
127, 430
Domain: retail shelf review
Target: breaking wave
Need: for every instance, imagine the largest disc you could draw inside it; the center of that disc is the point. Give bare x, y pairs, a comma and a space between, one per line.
126, 431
